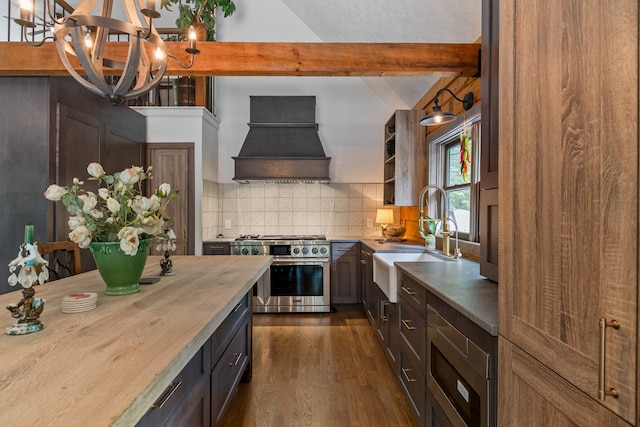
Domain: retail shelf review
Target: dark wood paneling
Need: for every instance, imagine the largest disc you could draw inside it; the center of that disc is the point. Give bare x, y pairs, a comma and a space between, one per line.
49, 131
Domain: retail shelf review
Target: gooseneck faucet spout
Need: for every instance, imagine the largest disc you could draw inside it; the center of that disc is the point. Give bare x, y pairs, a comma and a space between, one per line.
446, 234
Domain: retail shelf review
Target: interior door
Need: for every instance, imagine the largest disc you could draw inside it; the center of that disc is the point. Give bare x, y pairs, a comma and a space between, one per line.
569, 189
173, 163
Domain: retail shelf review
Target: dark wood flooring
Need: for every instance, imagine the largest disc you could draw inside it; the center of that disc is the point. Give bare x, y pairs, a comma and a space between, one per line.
324, 369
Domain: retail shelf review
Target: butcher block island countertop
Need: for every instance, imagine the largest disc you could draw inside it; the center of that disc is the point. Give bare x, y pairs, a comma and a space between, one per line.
107, 366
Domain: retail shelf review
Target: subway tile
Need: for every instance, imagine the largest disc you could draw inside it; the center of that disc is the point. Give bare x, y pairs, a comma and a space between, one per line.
341, 204
341, 230
355, 190
313, 190
313, 204
285, 218
326, 190
299, 218
299, 204
257, 204
257, 190
355, 230
341, 190
229, 205
229, 190
299, 190
355, 204
369, 190
285, 190
243, 190
271, 204
257, 218
244, 204
271, 190
341, 218
271, 218
327, 204
327, 218
314, 218
355, 218
284, 204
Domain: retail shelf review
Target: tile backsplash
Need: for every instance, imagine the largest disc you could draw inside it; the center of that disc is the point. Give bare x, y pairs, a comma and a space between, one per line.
330, 209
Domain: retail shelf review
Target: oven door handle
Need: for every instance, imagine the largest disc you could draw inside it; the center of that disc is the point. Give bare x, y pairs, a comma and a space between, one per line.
297, 262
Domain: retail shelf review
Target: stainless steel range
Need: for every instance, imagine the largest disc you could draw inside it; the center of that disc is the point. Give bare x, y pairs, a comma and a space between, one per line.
299, 278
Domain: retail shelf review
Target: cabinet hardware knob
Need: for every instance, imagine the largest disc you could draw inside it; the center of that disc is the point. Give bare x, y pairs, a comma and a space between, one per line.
405, 373
408, 290
236, 360
166, 395
406, 324
602, 393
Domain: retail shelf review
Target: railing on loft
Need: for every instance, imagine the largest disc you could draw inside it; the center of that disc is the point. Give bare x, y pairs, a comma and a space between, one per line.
171, 91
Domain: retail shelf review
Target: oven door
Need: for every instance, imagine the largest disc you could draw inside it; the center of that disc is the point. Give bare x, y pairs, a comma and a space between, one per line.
294, 286
456, 385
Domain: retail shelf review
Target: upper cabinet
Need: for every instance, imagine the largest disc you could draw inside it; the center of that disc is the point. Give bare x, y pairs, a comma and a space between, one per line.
404, 158
568, 211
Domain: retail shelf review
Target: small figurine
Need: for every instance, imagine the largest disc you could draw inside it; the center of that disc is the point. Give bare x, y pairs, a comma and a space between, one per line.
167, 244
29, 308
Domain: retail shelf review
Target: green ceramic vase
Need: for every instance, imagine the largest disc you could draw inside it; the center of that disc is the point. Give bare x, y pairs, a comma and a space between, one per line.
121, 272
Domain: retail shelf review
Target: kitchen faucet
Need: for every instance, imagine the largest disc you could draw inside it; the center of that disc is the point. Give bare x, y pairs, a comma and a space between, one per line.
446, 234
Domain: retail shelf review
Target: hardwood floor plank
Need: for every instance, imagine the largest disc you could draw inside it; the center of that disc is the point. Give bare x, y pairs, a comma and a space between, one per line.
318, 369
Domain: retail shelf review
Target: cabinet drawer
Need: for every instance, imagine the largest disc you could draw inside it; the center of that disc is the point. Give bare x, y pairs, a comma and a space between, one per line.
413, 384
216, 248
228, 371
413, 331
221, 337
176, 392
414, 293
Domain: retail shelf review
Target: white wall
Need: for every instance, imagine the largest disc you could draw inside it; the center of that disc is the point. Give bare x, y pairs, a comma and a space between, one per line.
188, 124
349, 114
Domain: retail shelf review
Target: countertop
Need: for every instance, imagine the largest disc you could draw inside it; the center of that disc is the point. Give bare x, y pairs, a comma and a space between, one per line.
108, 365
459, 284
376, 245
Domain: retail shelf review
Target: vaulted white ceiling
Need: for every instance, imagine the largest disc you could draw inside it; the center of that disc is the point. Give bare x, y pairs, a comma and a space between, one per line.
426, 21
421, 21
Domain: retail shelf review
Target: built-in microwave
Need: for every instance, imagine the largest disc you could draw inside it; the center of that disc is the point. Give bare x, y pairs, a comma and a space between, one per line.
457, 373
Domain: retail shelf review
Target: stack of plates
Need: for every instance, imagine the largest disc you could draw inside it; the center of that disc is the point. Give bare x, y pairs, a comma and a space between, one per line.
77, 303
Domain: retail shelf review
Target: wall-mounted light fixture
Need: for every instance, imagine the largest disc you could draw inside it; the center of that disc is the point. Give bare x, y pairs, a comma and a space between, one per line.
85, 37
438, 117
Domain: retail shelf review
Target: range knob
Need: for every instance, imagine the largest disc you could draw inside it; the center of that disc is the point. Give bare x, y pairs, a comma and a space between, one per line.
323, 250
314, 250
236, 251
255, 251
305, 250
245, 251
296, 251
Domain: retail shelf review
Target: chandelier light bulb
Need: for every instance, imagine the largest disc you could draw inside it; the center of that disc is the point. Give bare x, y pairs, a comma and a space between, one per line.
27, 5
87, 41
159, 53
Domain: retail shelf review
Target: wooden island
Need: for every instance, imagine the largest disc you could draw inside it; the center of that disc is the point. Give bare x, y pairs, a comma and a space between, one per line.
109, 365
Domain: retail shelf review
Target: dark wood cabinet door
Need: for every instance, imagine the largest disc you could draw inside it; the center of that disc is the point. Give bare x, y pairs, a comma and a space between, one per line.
345, 273
489, 234
173, 163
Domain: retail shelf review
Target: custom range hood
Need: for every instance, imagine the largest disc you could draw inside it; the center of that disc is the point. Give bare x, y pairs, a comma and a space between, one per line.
283, 143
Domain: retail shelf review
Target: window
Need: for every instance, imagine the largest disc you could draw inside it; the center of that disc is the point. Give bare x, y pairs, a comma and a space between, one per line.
445, 172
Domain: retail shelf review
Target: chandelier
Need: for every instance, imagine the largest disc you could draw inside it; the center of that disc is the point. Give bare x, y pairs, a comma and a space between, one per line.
84, 36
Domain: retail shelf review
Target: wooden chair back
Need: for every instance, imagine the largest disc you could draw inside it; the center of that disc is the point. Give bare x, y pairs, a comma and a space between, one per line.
63, 257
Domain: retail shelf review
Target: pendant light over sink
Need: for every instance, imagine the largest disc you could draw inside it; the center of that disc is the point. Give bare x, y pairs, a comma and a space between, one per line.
84, 36
438, 117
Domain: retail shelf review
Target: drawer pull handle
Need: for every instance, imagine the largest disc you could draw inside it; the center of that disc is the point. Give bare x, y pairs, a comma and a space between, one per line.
405, 323
408, 290
362, 261
602, 393
236, 360
166, 395
237, 307
406, 376
216, 247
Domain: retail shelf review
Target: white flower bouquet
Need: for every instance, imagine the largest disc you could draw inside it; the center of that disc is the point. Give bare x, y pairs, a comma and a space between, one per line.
119, 212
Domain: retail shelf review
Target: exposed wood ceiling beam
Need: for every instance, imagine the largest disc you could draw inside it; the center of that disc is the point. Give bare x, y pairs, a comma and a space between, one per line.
276, 59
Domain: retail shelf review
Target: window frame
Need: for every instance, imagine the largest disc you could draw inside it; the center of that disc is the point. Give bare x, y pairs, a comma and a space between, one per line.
436, 147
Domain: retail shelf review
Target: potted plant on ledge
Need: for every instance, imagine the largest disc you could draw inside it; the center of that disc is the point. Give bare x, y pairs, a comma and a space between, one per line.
201, 14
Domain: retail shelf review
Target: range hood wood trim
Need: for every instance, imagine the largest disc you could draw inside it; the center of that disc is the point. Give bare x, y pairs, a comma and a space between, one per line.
281, 169
275, 59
